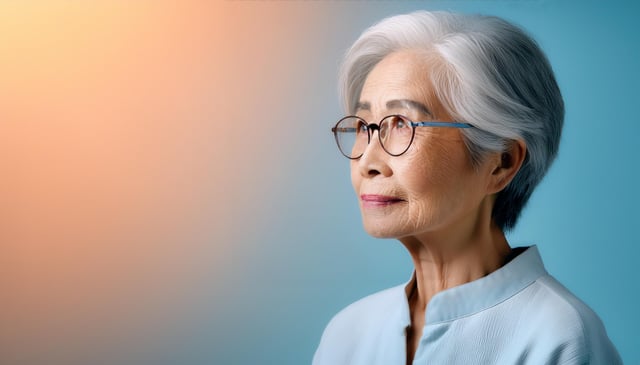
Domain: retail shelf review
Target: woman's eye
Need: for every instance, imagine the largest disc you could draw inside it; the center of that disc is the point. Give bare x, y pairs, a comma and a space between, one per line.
398, 123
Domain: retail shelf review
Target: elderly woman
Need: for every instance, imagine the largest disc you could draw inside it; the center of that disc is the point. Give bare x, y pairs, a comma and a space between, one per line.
454, 120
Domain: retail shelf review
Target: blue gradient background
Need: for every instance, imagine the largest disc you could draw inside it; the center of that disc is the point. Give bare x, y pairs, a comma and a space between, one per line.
205, 215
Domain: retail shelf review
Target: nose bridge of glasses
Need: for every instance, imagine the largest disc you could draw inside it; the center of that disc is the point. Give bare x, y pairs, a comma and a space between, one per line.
383, 136
373, 127
381, 132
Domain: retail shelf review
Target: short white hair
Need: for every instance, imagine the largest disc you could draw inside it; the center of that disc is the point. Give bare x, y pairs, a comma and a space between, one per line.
486, 72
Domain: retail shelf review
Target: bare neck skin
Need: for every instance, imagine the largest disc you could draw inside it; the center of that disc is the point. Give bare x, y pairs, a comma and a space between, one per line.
471, 249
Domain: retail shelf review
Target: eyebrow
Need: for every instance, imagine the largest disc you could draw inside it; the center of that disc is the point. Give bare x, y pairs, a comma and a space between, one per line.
398, 104
363, 106
408, 104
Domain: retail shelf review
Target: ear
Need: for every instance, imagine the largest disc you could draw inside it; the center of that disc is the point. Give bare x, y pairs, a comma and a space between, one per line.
507, 165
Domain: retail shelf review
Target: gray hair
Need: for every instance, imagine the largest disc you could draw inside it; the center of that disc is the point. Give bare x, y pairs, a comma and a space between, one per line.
487, 72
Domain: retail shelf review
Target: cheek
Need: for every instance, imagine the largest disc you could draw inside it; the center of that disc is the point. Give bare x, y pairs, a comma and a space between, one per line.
355, 175
435, 182
431, 170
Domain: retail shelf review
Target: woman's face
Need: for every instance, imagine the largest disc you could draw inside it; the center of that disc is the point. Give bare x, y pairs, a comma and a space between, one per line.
431, 188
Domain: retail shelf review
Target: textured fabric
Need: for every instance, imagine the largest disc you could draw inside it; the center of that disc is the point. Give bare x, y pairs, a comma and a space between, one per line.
518, 314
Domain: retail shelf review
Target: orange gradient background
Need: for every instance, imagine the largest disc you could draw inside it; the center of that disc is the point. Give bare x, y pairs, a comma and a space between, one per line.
136, 160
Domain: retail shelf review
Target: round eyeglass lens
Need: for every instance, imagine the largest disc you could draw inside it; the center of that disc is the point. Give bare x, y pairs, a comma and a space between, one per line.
396, 134
352, 136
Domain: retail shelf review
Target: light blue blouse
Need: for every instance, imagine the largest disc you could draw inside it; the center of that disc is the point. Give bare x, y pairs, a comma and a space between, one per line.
518, 314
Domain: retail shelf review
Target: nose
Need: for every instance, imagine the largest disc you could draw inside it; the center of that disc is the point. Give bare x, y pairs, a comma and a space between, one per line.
374, 160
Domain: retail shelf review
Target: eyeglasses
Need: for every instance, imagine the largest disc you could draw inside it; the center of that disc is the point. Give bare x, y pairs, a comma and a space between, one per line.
395, 133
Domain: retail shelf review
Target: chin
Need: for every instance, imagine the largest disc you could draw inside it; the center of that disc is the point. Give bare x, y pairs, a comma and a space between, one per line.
380, 232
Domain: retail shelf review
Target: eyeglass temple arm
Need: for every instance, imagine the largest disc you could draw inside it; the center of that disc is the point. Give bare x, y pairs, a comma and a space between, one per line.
441, 124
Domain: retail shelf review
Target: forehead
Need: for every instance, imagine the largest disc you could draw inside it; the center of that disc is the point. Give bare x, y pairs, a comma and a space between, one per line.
400, 75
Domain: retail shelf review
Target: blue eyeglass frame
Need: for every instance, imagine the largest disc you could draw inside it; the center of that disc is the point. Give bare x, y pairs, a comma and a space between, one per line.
376, 126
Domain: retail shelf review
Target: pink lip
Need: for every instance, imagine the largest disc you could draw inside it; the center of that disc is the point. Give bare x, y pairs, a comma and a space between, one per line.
372, 200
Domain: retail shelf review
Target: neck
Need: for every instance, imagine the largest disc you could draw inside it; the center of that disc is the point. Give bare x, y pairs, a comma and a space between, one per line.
472, 249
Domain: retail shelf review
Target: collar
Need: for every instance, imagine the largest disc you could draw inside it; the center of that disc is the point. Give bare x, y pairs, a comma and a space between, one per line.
483, 293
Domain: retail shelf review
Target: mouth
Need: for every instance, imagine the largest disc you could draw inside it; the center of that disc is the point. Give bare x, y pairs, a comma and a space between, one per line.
377, 201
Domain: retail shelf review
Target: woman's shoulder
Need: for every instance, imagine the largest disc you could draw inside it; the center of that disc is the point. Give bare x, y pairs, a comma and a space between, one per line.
555, 302
368, 309
555, 316
357, 323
